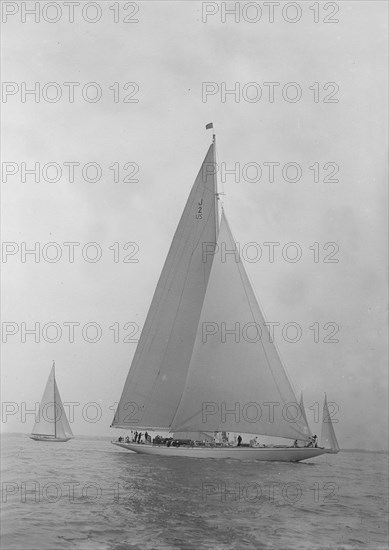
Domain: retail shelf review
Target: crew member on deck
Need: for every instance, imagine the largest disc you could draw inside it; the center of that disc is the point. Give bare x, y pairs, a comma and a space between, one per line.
239, 440
312, 441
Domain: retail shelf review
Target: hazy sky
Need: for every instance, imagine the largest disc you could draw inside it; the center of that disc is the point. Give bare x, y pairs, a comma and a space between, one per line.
169, 54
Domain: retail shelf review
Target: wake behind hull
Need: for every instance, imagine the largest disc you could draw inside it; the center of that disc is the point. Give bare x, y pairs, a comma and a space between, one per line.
283, 454
47, 438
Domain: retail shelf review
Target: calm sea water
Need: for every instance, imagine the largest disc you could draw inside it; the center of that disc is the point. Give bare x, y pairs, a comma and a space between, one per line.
89, 495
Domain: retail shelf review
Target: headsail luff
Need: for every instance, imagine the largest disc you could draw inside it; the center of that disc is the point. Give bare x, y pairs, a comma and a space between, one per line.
158, 372
245, 376
328, 438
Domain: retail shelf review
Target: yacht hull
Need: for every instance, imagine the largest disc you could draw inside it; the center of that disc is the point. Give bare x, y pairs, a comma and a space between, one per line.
283, 454
49, 439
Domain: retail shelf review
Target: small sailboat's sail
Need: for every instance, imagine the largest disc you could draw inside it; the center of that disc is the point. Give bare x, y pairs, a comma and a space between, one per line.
62, 424
328, 438
52, 421
302, 409
238, 384
158, 372
45, 422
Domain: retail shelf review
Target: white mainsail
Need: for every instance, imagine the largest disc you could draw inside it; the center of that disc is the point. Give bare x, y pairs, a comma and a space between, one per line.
245, 377
52, 419
328, 438
158, 372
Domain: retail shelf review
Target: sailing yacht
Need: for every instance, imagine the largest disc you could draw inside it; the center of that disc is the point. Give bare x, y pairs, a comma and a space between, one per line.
186, 377
52, 423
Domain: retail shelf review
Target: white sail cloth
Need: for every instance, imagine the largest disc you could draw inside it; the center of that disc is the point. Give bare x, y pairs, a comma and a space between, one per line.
45, 422
52, 419
302, 409
236, 383
62, 424
158, 372
328, 438
183, 382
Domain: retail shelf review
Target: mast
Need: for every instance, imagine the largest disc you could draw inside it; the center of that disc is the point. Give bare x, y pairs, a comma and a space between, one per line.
217, 216
55, 410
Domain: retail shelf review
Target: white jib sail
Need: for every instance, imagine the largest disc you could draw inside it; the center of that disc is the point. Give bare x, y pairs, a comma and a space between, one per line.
328, 438
158, 372
62, 424
236, 382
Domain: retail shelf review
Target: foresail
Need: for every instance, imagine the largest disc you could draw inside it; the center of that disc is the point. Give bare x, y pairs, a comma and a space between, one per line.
45, 422
62, 426
158, 372
328, 438
236, 382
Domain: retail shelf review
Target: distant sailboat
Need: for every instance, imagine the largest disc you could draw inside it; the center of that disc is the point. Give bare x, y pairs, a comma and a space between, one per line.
52, 423
302, 409
182, 382
328, 438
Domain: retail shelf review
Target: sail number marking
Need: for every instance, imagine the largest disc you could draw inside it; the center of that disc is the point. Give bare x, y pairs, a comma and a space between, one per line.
199, 213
